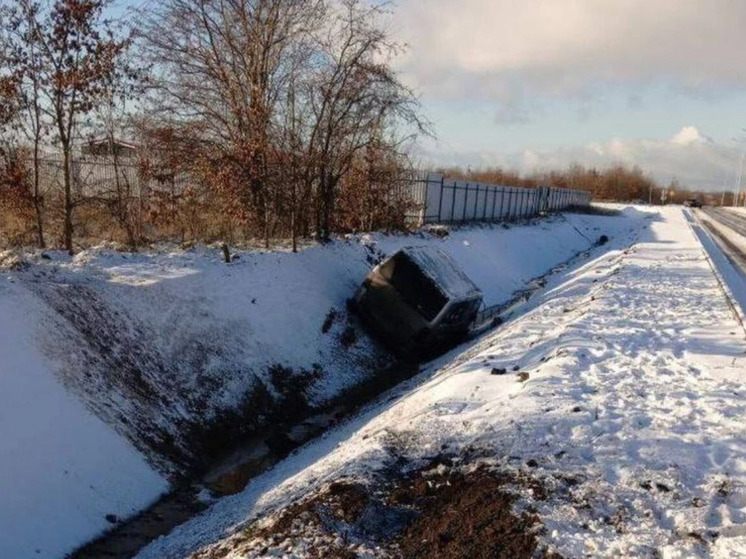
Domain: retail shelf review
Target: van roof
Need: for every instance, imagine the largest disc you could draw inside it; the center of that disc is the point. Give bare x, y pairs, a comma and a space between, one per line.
443, 270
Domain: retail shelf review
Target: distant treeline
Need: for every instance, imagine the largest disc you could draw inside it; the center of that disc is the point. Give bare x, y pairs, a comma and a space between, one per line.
619, 183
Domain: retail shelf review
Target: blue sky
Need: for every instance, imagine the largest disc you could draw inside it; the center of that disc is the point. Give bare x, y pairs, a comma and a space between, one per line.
537, 84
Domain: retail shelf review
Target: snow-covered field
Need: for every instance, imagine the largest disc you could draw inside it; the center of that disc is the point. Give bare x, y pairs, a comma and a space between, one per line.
627, 406
108, 349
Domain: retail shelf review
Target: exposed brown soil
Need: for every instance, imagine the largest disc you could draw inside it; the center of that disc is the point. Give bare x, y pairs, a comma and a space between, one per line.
466, 516
438, 512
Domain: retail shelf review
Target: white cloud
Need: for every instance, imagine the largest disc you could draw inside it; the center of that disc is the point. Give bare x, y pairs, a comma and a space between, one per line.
689, 156
507, 50
690, 135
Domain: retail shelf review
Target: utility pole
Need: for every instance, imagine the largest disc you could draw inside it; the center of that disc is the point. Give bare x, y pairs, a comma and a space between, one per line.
725, 189
737, 180
737, 186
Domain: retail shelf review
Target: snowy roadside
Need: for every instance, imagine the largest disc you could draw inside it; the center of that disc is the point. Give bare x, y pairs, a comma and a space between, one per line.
626, 407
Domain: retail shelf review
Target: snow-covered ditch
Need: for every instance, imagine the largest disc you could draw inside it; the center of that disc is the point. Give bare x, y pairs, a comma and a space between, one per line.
179, 354
627, 406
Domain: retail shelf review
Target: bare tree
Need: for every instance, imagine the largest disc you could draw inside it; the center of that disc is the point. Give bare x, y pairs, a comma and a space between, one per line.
220, 71
282, 96
14, 194
69, 52
120, 197
352, 94
124, 196
24, 62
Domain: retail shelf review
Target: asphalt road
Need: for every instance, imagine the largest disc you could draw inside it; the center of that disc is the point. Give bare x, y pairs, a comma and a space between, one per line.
733, 220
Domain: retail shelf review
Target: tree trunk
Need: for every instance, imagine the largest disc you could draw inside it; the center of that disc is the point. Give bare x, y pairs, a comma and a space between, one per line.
123, 200
37, 199
327, 208
68, 225
265, 219
293, 216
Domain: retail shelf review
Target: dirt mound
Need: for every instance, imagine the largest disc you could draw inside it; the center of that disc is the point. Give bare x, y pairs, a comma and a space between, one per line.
440, 511
466, 515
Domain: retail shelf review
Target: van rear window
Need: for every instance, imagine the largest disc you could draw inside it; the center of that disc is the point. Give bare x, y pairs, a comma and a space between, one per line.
415, 287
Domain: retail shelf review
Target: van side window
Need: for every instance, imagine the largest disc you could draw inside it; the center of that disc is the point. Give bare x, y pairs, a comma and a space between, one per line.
415, 287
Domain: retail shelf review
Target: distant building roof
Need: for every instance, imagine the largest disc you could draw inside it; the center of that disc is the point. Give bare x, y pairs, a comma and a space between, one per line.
108, 146
115, 141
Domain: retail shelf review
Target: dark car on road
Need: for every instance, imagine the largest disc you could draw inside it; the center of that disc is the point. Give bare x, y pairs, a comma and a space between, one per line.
693, 203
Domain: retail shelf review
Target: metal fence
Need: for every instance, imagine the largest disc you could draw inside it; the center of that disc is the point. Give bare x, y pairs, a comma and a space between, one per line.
101, 178
429, 197
438, 199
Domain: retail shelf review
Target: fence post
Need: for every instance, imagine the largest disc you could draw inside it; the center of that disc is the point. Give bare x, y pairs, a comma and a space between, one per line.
476, 203
494, 202
520, 204
524, 203
423, 216
453, 202
484, 211
440, 201
520, 209
466, 200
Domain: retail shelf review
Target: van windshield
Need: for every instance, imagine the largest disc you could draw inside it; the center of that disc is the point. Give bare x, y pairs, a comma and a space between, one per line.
415, 287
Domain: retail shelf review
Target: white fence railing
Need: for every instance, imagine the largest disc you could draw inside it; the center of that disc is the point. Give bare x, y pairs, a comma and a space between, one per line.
442, 200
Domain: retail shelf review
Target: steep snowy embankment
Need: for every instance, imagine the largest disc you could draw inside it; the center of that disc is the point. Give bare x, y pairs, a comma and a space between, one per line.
177, 349
183, 355
627, 409
62, 470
